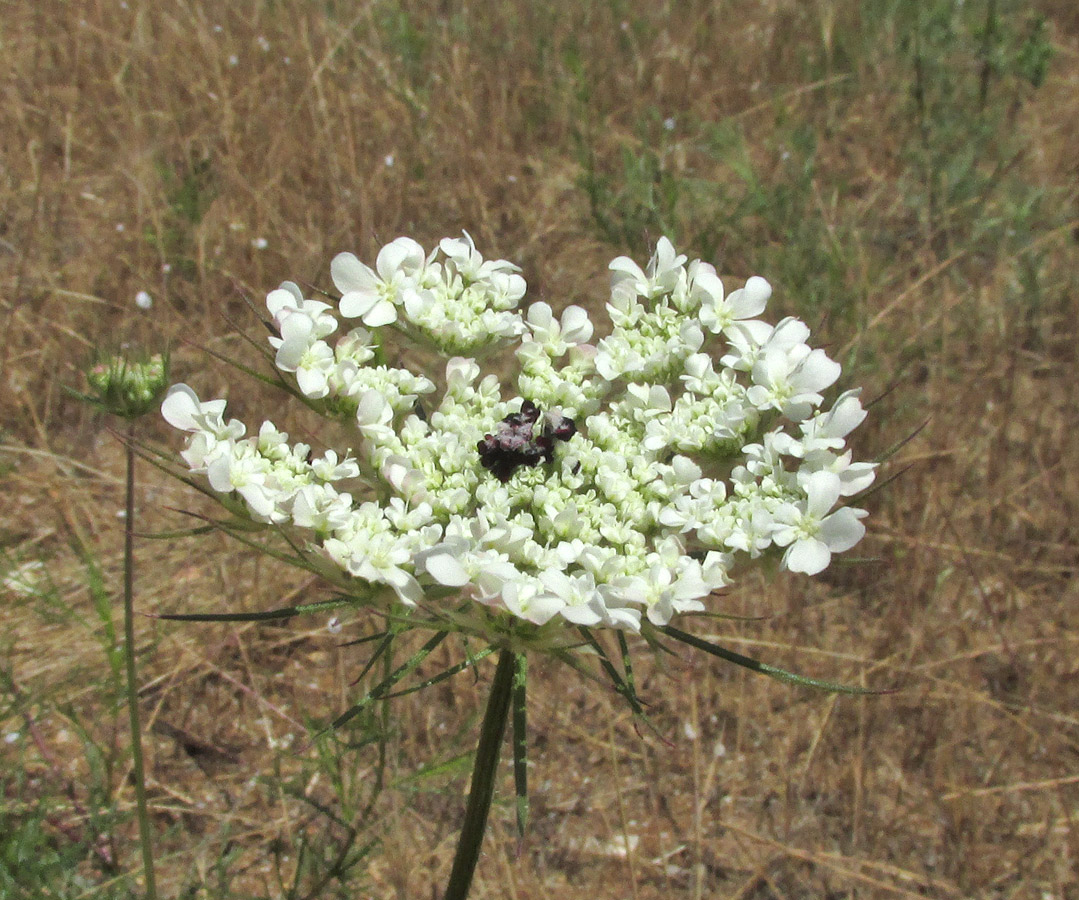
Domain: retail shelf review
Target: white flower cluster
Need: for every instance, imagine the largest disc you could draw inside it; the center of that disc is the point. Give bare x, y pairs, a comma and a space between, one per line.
632, 475
453, 297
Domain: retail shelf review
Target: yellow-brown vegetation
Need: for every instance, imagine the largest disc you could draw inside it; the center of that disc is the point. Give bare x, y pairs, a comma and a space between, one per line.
203, 152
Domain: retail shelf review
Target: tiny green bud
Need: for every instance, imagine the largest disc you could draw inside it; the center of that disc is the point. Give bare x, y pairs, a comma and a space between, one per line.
127, 387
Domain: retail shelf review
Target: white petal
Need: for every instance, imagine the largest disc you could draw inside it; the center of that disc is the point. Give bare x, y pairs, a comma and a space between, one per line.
218, 473
842, 530
408, 588
658, 398
402, 254
576, 326
259, 500
382, 313
178, 407
822, 490
846, 415
349, 274
312, 383
816, 372
660, 612
756, 294
808, 556
445, 569
461, 371
624, 267
358, 302
789, 333
523, 601
685, 469
857, 478
709, 284
581, 615
297, 328
606, 367
620, 617
539, 315
373, 409
287, 296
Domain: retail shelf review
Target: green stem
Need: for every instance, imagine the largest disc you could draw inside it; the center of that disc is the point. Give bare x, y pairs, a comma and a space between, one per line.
129, 660
520, 744
483, 779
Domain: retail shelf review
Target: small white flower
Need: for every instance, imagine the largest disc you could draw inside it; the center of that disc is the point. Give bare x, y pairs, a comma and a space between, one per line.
662, 273
374, 295
790, 380
182, 409
719, 313
143, 300
320, 508
810, 535
288, 300
583, 603
329, 468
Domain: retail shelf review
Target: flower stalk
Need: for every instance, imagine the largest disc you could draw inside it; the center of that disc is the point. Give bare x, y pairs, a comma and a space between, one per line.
128, 386
484, 771
145, 837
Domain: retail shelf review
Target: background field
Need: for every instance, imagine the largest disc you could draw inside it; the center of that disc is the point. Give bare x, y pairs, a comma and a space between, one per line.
906, 175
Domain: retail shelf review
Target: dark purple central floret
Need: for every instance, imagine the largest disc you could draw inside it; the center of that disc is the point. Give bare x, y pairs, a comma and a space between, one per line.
523, 439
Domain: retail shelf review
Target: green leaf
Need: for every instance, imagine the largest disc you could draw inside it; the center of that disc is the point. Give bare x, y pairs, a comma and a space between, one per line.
383, 646
627, 663
452, 766
756, 666
900, 444
443, 676
175, 533
379, 692
283, 613
276, 382
364, 640
619, 682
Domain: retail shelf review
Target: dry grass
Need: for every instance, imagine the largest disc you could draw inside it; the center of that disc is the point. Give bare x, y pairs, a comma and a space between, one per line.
138, 136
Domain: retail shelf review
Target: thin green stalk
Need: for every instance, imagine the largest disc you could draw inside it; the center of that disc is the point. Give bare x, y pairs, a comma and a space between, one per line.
483, 779
129, 660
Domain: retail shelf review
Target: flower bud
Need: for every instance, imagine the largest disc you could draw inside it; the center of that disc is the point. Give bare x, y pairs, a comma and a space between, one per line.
127, 387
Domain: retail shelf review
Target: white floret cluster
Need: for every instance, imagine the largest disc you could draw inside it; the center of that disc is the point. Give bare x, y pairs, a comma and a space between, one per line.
691, 440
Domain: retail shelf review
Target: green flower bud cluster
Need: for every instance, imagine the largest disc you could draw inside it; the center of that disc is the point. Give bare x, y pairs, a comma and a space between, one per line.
128, 387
